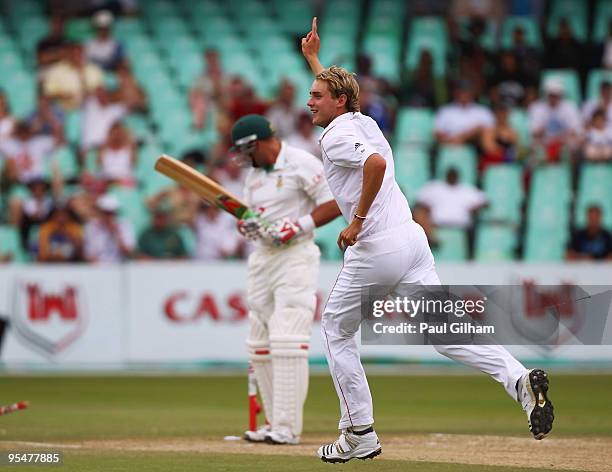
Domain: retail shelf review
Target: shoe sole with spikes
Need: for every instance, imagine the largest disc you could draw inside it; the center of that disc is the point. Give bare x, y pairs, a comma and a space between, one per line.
542, 416
338, 460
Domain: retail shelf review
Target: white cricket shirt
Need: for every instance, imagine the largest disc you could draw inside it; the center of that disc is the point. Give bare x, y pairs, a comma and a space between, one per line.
346, 143
293, 188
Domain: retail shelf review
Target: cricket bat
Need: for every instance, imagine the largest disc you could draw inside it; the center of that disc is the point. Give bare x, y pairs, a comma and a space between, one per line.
203, 186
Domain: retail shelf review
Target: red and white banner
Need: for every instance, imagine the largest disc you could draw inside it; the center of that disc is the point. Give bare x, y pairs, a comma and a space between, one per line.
62, 314
139, 313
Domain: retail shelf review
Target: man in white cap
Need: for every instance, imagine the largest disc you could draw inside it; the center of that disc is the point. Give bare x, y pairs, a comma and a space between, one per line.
554, 122
103, 49
107, 237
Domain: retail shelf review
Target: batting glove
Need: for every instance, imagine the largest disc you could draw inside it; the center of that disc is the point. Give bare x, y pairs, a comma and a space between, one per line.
284, 231
252, 227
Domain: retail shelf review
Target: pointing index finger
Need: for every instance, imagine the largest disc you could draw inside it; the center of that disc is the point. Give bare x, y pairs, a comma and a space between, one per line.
314, 25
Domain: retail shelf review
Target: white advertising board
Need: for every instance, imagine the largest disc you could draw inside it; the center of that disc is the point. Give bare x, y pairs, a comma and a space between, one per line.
188, 312
61, 315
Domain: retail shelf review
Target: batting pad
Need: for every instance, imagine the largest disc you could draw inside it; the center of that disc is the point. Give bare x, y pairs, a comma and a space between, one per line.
259, 355
290, 379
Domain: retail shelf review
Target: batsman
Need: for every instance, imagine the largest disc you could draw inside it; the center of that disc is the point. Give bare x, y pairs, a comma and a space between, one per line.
286, 189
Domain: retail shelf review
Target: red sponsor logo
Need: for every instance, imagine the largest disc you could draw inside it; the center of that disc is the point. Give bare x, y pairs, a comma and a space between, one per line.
48, 319
540, 300
185, 307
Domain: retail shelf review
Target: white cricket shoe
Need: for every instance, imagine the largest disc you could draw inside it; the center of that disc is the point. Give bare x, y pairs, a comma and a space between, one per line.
351, 445
258, 435
281, 437
532, 393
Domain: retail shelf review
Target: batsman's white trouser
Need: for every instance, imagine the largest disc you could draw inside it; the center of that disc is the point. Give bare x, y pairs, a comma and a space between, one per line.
282, 299
400, 255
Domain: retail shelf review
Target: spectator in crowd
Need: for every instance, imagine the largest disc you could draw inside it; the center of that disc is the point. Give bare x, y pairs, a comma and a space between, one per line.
528, 57
129, 91
604, 102
283, 113
117, 156
107, 237
216, 235
450, 203
26, 155
61, 237
305, 136
372, 105
462, 121
422, 88
47, 119
473, 57
499, 143
597, 144
593, 242
208, 88
183, 202
7, 121
244, 101
49, 50
99, 114
161, 240
554, 122
103, 49
564, 51
30, 211
70, 80
509, 84
230, 174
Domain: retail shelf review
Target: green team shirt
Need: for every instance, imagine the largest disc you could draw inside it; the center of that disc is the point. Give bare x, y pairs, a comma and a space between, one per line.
162, 244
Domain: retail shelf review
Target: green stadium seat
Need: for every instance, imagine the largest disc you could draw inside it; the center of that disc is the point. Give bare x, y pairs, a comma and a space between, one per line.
574, 11
294, 16
411, 169
436, 45
495, 243
529, 26
139, 126
385, 53
10, 244
66, 162
79, 29
132, 206
339, 50
504, 188
520, 123
463, 158
594, 80
603, 15
414, 125
544, 246
72, 127
570, 80
452, 245
147, 155
594, 187
125, 28
326, 238
189, 239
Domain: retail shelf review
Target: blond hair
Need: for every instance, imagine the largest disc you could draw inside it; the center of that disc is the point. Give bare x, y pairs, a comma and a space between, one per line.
340, 81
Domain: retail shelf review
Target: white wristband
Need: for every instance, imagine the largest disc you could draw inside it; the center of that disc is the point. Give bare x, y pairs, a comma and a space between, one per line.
306, 223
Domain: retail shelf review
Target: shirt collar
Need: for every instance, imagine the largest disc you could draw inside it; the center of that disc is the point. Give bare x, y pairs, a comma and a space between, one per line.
349, 115
281, 159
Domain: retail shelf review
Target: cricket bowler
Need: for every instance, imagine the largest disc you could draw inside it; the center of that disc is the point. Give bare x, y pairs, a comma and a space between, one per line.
383, 247
285, 186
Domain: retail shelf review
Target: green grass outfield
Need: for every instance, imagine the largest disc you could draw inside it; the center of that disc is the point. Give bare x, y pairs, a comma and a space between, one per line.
73, 409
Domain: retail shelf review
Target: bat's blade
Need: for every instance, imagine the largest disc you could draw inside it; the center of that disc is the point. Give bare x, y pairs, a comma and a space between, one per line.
204, 186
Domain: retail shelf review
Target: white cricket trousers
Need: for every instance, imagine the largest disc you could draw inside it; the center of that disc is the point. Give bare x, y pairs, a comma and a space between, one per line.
399, 255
